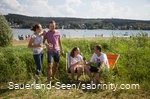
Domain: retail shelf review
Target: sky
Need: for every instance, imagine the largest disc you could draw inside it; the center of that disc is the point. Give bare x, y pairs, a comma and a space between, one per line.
123, 9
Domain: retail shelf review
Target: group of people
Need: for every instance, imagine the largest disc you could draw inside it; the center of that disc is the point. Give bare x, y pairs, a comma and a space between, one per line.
77, 64
51, 39
21, 37
96, 35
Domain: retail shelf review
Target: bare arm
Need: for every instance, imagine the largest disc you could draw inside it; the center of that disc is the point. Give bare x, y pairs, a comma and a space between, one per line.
30, 44
44, 36
44, 40
60, 44
73, 64
89, 63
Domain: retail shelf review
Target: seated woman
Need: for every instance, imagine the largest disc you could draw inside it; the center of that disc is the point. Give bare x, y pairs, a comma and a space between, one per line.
76, 63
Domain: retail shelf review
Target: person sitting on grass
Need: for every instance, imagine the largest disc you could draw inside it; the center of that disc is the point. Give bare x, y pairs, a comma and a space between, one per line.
36, 42
76, 61
101, 63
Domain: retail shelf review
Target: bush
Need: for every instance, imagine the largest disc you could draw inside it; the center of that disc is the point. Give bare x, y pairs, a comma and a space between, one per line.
6, 34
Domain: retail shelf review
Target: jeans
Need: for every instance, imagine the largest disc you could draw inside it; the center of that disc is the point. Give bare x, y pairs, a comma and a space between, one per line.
38, 58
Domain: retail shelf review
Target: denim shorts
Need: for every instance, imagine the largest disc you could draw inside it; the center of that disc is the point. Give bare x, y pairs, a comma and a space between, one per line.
38, 58
53, 55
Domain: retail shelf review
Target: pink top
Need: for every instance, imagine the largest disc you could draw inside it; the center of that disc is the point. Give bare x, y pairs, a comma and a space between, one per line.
53, 40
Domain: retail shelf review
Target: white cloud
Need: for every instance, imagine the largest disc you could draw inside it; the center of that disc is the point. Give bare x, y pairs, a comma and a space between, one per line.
147, 5
34, 8
66, 10
11, 4
39, 8
146, 13
8, 5
75, 8
73, 2
108, 10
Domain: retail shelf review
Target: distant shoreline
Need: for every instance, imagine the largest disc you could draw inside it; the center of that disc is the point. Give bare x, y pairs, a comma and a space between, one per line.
83, 29
25, 42
78, 23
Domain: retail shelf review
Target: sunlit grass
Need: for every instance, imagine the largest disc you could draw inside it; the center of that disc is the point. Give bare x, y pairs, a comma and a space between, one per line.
17, 65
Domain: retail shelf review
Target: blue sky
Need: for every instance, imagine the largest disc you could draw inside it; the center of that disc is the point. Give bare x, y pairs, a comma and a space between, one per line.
124, 9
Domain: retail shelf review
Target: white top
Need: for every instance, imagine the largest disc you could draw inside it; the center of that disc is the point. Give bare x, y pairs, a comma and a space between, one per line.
75, 60
100, 59
37, 40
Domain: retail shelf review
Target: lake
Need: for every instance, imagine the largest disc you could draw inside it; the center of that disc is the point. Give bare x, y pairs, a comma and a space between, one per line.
72, 33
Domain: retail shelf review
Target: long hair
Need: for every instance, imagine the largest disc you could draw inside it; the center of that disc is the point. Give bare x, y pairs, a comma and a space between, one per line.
72, 51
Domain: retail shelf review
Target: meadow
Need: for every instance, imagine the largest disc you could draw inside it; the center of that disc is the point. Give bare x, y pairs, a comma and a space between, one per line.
17, 65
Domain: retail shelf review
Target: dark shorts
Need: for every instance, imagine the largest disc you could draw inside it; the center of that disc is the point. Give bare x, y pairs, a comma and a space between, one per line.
69, 71
38, 58
93, 69
53, 55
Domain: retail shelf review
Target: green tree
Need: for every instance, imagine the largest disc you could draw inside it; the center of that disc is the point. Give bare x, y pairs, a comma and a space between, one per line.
6, 34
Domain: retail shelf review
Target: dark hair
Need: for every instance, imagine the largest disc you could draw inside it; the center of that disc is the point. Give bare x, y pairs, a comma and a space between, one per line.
34, 27
52, 22
72, 52
98, 47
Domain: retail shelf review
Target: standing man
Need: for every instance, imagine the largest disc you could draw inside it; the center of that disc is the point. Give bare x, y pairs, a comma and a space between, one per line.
54, 45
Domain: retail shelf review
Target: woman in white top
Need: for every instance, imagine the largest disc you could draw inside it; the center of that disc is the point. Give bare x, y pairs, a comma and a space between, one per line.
36, 42
75, 63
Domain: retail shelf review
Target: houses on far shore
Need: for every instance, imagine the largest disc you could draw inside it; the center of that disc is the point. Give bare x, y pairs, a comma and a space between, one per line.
13, 25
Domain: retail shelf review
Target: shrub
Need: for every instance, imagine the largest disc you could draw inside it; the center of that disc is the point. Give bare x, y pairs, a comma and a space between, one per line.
6, 34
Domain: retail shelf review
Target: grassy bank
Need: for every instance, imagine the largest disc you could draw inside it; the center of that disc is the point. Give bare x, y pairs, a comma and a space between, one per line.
17, 65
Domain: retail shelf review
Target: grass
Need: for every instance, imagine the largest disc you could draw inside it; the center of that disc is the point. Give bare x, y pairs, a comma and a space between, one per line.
17, 65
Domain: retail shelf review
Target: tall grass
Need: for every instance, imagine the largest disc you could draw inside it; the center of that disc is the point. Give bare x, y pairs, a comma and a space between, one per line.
17, 64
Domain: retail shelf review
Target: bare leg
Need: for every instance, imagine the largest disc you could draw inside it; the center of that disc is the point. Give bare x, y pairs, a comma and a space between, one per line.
79, 71
49, 72
72, 69
97, 77
87, 69
55, 68
36, 78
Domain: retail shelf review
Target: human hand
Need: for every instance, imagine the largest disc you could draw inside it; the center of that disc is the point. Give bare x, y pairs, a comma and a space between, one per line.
62, 52
44, 33
40, 46
47, 45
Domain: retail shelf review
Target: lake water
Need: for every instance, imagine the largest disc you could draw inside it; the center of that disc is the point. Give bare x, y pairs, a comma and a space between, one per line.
71, 33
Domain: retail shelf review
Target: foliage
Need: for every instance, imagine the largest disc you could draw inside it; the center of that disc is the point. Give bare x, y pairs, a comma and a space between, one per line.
78, 23
5, 32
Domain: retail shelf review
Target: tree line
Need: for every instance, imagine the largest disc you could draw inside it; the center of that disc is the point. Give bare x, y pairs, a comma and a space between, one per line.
22, 21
